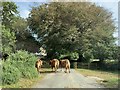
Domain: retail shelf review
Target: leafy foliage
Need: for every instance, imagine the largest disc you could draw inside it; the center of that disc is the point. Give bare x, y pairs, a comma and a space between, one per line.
29, 72
73, 27
8, 40
9, 11
21, 64
24, 59
71, 56
10, 74
8, 14
20, 28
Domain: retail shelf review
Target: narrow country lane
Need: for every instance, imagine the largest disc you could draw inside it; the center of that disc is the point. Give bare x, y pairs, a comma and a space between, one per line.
67, 80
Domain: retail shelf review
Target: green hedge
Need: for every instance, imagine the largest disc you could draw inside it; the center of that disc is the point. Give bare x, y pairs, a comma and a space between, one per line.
19, 65
10, 74
29, 73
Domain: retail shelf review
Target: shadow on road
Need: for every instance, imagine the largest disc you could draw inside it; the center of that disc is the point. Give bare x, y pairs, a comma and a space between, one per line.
47, 72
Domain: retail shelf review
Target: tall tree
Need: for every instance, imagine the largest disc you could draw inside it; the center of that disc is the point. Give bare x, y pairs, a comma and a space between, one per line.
72, 27
24, 38
20, 27
9, 12
8, 40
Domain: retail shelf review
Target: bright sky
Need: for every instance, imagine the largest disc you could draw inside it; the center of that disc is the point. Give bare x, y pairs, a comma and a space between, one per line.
111, 5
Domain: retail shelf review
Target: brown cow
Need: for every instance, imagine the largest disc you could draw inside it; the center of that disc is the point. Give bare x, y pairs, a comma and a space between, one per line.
38, 64
54, 64
65, 63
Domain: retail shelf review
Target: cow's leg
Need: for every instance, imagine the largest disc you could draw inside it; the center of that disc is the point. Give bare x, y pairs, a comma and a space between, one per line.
39, 68
61, 67
65, 69
52, 68
56, 66
69, 69
55, 69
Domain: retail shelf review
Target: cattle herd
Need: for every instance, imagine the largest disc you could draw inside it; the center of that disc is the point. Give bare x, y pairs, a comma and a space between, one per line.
55, 64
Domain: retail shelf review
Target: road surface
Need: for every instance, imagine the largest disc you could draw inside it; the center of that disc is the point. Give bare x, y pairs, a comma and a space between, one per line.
67, 80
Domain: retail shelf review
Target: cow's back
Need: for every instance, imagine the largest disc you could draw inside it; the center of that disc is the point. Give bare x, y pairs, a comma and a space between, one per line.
54, 62
67, 63
38, 63
64, 62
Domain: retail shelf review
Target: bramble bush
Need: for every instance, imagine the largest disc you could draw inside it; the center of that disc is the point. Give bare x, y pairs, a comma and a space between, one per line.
22, 63
29, 73
25, 62
10, 74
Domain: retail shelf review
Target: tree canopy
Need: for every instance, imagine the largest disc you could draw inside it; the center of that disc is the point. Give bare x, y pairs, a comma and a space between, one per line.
8, 13
8, 39
63, 29
73, 27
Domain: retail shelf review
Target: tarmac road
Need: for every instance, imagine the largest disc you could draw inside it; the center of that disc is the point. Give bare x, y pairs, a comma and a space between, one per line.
67, 80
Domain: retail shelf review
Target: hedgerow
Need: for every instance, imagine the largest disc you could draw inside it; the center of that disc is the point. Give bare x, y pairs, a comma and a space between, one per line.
19, 65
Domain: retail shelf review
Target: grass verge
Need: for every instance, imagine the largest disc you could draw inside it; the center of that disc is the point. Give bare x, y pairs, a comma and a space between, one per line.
110, 80
24, 83
28, 83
